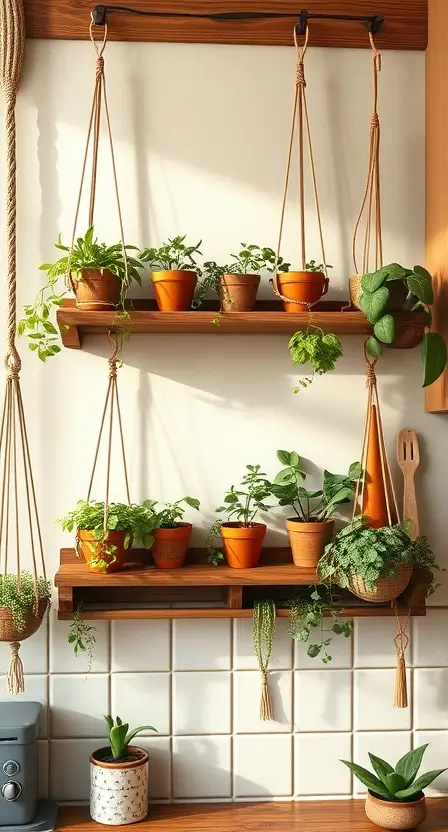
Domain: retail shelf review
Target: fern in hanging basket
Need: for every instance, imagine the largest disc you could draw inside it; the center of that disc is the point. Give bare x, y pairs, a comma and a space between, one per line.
22, 606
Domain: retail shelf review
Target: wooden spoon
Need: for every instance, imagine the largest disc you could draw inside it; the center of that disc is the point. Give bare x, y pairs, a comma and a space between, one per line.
408, 457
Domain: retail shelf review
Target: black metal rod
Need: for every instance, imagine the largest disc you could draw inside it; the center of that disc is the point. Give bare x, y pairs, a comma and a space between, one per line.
375, 21
99, 14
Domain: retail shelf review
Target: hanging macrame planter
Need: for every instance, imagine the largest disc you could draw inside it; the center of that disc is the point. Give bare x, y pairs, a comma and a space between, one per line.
24, 594
264, 620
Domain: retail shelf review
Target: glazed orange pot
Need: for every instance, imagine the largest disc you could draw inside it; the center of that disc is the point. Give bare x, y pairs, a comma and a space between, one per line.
93, 548
243, 544
306, 287
170, 546
174, 290
238, 292
99, 290
308, 540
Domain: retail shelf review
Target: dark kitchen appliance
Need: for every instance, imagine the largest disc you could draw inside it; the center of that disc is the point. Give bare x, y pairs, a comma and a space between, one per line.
20, 810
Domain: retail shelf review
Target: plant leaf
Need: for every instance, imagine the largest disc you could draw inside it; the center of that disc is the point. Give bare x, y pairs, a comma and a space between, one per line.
384, 329
434, 356
284, 457
372, 281
420, 784
373, 303
420, 284
410, 763
394, 782
367, 778
373, 347
193, 502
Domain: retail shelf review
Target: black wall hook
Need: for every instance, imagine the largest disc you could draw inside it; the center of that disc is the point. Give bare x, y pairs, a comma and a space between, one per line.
374, 22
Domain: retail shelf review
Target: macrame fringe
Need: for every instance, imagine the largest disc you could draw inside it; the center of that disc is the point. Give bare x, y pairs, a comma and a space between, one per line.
266, 709
15, 682
401, 688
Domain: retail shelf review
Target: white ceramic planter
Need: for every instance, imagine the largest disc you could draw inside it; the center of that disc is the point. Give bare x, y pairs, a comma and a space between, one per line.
118, 791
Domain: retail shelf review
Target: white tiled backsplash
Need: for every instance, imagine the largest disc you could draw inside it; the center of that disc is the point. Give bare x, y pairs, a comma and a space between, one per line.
197, 683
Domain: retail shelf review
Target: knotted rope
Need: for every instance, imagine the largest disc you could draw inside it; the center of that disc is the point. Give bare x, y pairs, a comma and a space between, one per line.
264, 618
401, 641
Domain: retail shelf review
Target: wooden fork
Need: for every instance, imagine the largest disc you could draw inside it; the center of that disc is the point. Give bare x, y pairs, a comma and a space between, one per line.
408, 458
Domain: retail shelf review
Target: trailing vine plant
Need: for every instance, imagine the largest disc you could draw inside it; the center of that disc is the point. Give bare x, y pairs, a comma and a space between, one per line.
264, 620
82, 637
18, 595
307, 618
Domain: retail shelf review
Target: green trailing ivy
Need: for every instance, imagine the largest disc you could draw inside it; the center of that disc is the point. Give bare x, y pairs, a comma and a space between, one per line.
82, 637
20, 600
399, 784
315, 347
308, 617
263, 631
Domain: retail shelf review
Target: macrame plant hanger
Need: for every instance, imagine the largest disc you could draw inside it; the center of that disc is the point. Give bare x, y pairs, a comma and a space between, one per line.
16, 475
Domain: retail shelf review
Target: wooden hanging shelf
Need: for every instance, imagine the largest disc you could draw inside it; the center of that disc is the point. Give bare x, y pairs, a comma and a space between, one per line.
267, 319
199, 590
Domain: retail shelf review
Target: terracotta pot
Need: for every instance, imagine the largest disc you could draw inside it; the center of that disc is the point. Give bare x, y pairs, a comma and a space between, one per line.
98, 291
119, 791
391, 815
307, 540
91, 548
398, 293
306, 287
374, 505
170, 546
174, 290
243, 544
8, 631
238, 292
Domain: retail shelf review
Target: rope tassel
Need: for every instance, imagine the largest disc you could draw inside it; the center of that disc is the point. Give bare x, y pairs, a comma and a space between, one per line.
401, 642
266, 710
15, 683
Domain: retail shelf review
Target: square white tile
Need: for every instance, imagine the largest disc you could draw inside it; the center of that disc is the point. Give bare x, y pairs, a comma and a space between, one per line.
70, 768
340, 651
262, 766
140, 646
62, 658
202, 767
323, 700
435, 757
199, 647
431, 698
159, 750
33, 651
374, 643
78, 704
389, 745
36, 690
43, 755
374, 702
430, 647
318, 770
247, 690
244, 656
143, 699
201, 703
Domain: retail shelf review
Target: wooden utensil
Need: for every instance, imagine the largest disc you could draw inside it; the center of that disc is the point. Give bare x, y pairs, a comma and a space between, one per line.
408, 458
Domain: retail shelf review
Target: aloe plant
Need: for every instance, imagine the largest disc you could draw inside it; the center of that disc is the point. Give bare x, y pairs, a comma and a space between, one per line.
397, 784
120, 736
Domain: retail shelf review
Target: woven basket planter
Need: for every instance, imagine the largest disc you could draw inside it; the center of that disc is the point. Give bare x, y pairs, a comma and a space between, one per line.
386, 589
397, 293
8, 631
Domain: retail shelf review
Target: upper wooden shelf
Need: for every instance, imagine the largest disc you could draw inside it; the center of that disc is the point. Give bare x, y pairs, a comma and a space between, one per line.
406, 24
267, 319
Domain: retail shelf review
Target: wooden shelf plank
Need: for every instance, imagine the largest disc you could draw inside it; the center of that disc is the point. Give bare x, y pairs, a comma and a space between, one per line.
372, 611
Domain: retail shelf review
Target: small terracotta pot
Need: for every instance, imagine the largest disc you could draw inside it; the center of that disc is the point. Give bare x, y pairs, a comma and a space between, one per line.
170, 546
307, 541
306, 287
391, 815
238, 292
98, 291
243, 544
119, 791
398, 293
92, 548
174, 290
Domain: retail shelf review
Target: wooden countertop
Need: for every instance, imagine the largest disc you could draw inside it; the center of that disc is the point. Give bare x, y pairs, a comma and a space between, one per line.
327, 816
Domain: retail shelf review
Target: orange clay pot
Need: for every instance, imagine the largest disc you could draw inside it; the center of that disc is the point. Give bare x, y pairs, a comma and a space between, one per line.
91, 548
174, 290
307, 541
98, 290
170, 546
238, 292
307, 287
374, 506
243, 544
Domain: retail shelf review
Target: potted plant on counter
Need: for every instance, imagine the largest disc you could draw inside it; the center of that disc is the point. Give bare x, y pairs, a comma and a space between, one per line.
119, 777
171, 534
107, 551
395, 798
306, 287
312, 527
173, 273
99, 276
242, 537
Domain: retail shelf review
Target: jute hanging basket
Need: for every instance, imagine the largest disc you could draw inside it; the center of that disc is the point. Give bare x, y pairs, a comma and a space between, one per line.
385, 589
8, 630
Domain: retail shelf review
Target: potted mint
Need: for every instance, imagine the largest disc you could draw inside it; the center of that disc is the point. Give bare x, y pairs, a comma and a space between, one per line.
171, 534
173, 273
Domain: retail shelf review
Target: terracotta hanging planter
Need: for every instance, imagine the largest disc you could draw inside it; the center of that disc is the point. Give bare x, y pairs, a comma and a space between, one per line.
98, 290
170, 546
174, 290
119, 790
93, 549
306, 287
238, 292
243, 544
308, 540
395, 815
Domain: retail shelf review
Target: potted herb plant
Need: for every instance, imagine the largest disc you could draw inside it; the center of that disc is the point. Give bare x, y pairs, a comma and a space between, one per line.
395, 798
237, 283
125, 523
119, 777
99, 275
173, 273
171, 534
242, 537
309, 611
306, 286
385, 291
313, 524
23, 605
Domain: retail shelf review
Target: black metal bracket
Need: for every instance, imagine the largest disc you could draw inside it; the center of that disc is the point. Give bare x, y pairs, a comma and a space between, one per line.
99, 14
374, 22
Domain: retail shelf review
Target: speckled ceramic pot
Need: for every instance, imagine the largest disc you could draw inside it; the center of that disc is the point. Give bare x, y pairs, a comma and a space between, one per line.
118, 791
395, 815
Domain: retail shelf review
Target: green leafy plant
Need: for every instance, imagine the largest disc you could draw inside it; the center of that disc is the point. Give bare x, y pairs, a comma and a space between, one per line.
372, 553
87, 253
307, 618
399, 784
316, 347
120, 737
250, 260
172, 514
171, 256
312, 506
241, 505
82, 637
19, 597
136, 520
312, 266
374, 300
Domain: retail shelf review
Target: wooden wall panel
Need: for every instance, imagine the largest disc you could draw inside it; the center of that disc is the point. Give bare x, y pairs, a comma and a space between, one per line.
406, 22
